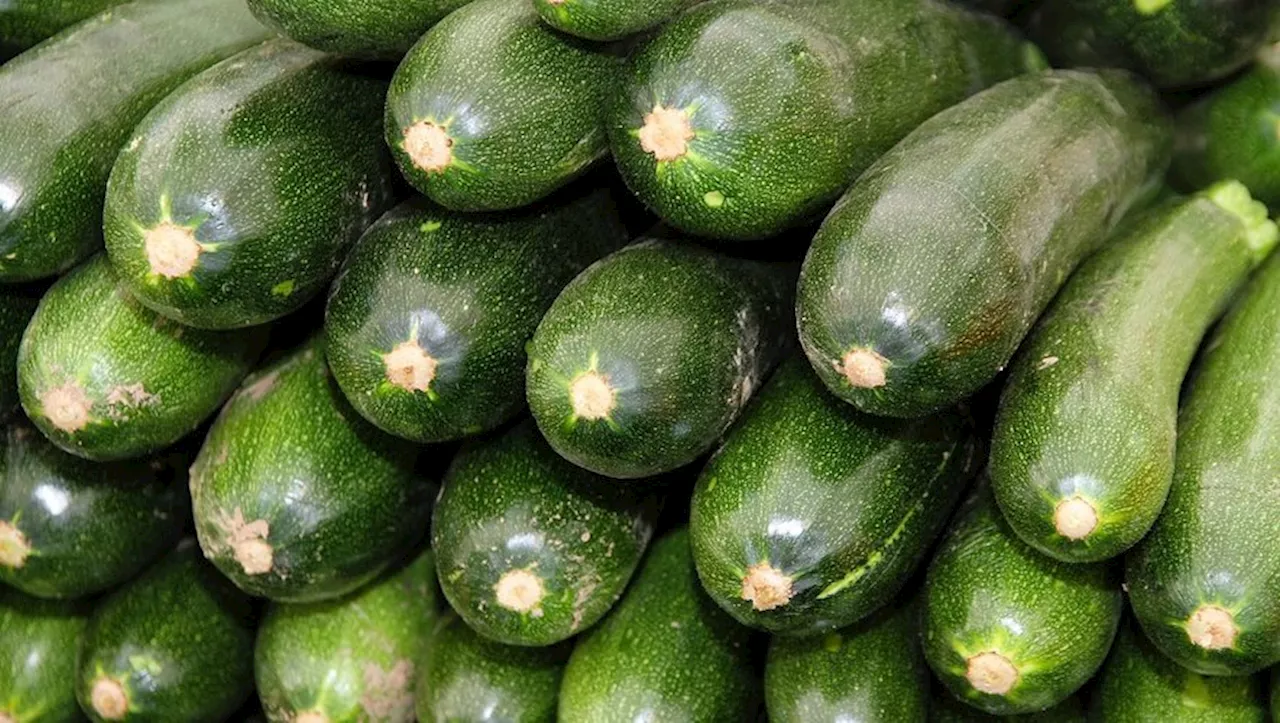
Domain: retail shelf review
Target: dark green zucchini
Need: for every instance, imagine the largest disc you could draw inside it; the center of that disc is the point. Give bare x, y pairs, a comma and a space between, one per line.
240, 193
929, 272
173, 645
665, 653
1082, 456
946, 709
350, 659
296, 497
533, 549
494, 110
427, 323
607, 20
1006, 629
649, 355
354, 27
24, 23
106, 378
39, 639
812, 514
70, 105
17, 306
1205, 584
743, 118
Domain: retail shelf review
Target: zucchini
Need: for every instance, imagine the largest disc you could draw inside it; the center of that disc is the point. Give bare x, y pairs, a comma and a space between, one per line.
1006, 629
17, 305
598, 20
812, 514
1205, 584
423, 359
24, 23
665, 653
743, 118
38, 666
240, 193
106, 378
647, 357
70, 106
296, 497
904, 312
1082, 456
946, 709
173, 645
354, 27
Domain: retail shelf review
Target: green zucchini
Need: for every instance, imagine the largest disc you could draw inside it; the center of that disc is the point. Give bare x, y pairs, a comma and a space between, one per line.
296, 497
812, 514
1006, 629
350, 659
70, 106
38, 667
468, 678
742, 118
599, 20
665, 653
106, 378
647, 357
354, 27
533, 549
173, 645
240, 193
1205, 584
427, 323
17, 305
493, 110
24, 23
1082, 456
946, 709
929, 272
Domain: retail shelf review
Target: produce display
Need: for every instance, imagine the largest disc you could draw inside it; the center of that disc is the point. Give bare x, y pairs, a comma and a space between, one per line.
611, 361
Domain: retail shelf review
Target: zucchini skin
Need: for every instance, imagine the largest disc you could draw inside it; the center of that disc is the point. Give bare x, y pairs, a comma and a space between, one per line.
1083, 451
382, 30
946, 709
1205, 583
601, 21
38, 668
24, 23
1022, 181
56, 163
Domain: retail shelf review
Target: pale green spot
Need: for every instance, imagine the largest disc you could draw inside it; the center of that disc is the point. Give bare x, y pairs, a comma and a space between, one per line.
1150, 7
713, 199
1195, 693
430, 226
832, 643
284, 288
146, 663
876, 557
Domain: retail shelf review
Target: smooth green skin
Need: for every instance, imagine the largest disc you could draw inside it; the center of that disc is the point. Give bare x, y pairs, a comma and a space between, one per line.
510, 503
1090, 409
90, 526
17, 306
24, 23
468, 678
666, 653
988, 592
872, 672
947, 250
1175, 43
37, 671
68, 112
273, 160
469, 291
789, 101
383, 29
681, 335
521, 103
946, 709
351, 659
1215, 542
179, 640
845, 504
604, 20
289, 462
148, 381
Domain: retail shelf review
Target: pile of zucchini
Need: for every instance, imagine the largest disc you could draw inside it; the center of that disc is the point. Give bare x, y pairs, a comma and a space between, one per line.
639, 361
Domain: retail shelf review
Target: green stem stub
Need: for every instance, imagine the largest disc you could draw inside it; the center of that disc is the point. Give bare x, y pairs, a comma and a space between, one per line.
1261, 233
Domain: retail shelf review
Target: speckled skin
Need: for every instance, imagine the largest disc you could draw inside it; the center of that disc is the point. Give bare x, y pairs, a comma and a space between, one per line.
666, 653
150, 381
1215, 542
946, 251
367, 28
1184, 43
179, 640
789, 101
17, 305
340, 500
23, 23
352, 659
987, 592
55, 162
470, 290
1091, 406
682, 335
604, 20
468, 678
872, 672
522, 104
846, 504
38, 667
946, 709
511, 503
274, 160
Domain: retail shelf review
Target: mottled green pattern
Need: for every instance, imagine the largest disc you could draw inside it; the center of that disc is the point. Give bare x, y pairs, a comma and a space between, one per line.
23, 23
946, 709
17, 305
365, 28
39, 639
607, 19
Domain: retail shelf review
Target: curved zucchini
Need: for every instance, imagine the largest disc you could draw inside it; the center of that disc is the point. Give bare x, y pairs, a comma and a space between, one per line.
24, 23
354, 27
38, 665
